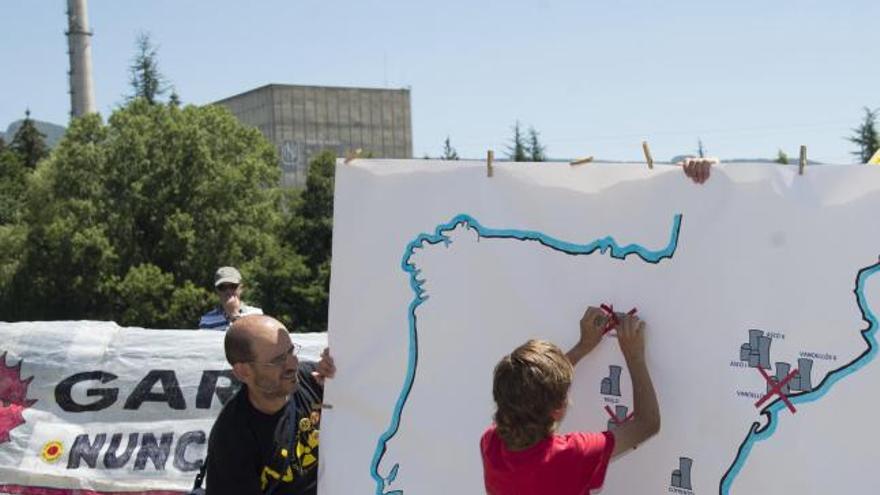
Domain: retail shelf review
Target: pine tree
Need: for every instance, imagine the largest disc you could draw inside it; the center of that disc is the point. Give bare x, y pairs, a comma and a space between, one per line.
300, 292
449, 152
536, 150
866, 136
13, 184
701, 150
174, 99
146, 80
781, 158
29, 143
517, 150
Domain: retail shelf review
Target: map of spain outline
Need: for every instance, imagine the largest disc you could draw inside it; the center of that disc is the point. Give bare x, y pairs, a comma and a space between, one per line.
756, 433
602, 245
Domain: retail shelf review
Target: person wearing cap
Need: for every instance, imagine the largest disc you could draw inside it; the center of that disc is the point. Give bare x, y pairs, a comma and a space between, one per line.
227, 284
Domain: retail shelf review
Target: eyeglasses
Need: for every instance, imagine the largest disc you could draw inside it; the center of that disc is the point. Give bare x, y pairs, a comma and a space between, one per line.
226, 287
281, 359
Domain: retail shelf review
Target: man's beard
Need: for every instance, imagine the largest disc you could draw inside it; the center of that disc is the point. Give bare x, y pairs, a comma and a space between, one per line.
278, 389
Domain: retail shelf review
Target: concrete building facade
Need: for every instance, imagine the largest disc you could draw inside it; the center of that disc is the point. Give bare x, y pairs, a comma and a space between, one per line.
304, 120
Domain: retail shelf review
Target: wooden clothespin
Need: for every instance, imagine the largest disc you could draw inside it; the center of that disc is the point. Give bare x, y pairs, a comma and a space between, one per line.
803, 161
648, 157
490, 157
351, 156
581, 161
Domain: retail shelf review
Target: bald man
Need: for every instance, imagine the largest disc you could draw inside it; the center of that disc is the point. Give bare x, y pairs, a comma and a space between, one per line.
266, 438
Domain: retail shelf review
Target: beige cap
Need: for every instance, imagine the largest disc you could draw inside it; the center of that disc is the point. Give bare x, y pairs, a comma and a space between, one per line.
227, 275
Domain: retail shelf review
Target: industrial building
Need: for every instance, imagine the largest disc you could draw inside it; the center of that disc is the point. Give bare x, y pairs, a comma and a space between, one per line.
304, 120
79, 48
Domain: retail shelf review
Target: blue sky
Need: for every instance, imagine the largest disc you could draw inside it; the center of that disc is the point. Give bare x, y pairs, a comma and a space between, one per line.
747, 77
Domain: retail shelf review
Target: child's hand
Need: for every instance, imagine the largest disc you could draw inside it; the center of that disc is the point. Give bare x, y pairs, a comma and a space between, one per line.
631, 337
698, 169
592, 324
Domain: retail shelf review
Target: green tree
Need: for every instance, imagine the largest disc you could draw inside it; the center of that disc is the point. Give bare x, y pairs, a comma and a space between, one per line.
534, 148
517, 149
311, 229
146, 80
2, 144
143, 295
29, 142
297, 290
13, 184
13, 232
159, 196
12, 243
449, 152
865, 136
782, 158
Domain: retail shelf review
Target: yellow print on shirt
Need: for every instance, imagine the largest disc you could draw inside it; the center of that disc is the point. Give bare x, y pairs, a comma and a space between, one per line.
307, 442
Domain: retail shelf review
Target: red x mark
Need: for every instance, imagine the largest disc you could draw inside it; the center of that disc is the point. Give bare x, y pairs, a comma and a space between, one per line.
617, 420
776, 388
613, 321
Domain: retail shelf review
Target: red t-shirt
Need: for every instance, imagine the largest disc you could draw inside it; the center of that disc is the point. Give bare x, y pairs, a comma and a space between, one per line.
571, 464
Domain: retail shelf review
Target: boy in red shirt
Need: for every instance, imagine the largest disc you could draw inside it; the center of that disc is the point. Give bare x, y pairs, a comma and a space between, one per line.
522, 454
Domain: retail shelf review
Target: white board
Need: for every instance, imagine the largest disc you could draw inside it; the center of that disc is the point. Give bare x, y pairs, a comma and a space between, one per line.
438, 271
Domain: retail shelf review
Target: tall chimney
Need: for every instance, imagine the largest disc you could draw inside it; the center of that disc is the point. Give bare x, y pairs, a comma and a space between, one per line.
79, 41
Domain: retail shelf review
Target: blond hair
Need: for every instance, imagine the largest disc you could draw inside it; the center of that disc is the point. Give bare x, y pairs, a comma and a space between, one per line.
529, 384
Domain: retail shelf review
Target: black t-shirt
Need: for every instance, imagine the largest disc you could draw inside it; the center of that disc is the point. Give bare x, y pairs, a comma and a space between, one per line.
243, 458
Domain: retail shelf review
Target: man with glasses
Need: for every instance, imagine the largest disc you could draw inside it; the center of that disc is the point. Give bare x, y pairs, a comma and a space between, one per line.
266, 438
227, 283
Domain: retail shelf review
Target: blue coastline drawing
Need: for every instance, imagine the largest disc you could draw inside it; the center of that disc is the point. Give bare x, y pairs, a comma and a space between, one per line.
757, 434
603, 245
